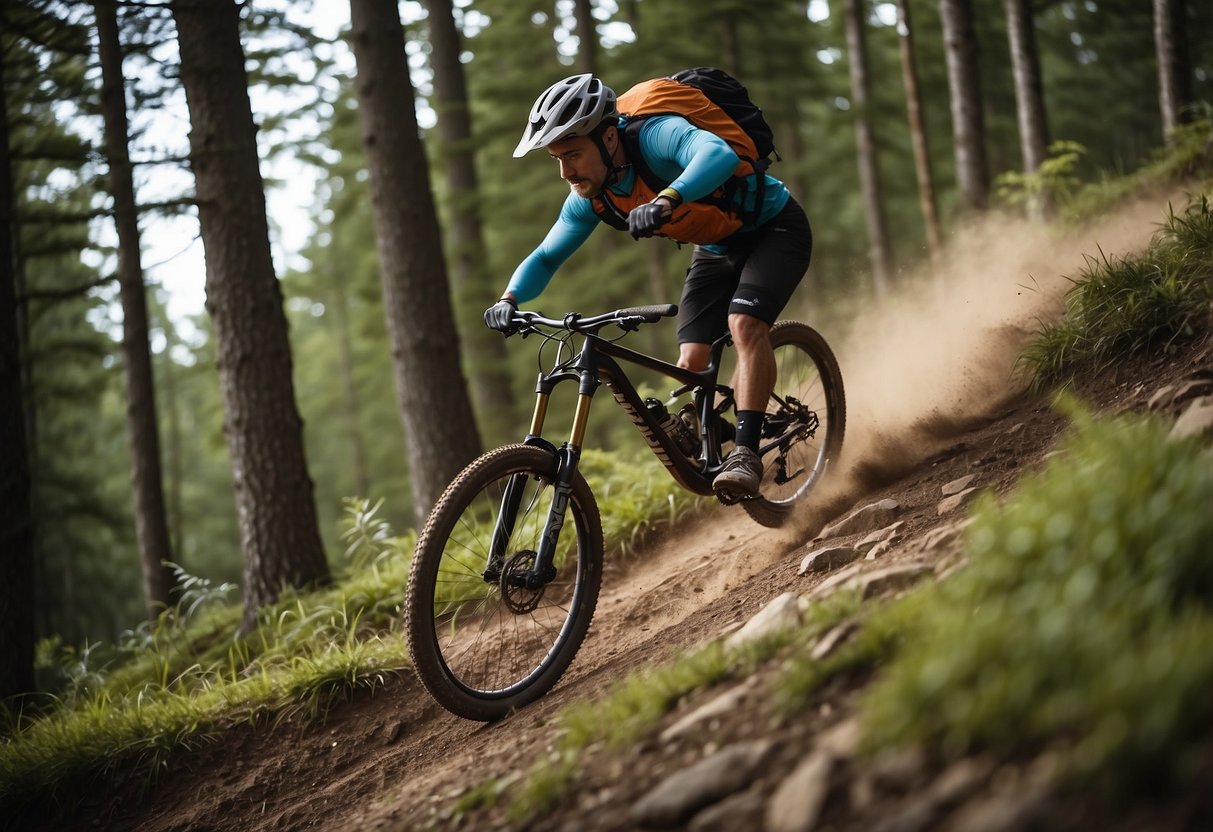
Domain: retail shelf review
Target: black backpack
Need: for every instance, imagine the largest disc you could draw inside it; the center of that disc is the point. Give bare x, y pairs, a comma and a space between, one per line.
727, 93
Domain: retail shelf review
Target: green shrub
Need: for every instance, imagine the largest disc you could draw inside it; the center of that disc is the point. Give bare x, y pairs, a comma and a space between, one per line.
1188, 157
1122, 306
1084, 618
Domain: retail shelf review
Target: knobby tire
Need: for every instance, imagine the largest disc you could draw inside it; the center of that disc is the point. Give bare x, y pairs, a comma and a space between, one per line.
808, 372
480, 653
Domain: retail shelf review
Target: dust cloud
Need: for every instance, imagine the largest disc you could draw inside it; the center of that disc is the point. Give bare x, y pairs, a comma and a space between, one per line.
937, 356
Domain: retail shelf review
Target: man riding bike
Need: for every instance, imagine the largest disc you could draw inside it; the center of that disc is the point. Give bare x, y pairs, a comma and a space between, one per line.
752, 240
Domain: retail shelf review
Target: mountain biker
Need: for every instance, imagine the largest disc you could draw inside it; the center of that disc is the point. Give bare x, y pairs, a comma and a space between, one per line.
740, 277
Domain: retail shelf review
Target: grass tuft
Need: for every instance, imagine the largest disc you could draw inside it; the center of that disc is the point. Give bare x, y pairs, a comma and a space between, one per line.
1124, 306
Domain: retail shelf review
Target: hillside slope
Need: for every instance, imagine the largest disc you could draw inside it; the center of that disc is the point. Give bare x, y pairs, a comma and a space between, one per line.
932, 399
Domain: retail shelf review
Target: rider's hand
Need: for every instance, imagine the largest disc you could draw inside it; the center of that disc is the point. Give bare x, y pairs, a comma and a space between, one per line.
644, 220
500, 315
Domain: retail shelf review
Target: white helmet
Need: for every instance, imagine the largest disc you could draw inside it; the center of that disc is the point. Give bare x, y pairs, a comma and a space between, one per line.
575, 106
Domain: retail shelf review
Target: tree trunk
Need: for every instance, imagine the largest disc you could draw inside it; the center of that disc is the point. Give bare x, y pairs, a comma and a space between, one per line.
865, 144
1029, 95
1171, 48
151, 526
274, 494
964, 85
16, 509
587, 38
439, 429
491, 387
918, 133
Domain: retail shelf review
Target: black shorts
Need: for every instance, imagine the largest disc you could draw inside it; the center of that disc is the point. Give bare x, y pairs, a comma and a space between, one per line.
756, 276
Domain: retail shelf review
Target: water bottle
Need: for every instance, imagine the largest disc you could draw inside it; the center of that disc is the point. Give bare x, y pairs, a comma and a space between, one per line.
673, 426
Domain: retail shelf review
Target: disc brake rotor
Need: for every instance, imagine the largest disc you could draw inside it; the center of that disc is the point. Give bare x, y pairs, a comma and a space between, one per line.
520, 598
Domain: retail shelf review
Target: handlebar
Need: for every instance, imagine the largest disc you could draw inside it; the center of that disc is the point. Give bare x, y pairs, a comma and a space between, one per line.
627, 319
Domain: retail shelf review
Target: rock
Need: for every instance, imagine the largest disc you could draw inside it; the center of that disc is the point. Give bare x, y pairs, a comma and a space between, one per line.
866, 519
834, 639
391, 731
944, 536
957, 500
722, 704
841, 740
684, 793
1161, 398
892, 578
925, 808
1196, 384
780, 614
950, 565
797, 801
874, 582
880, 536
898, 769
879, 550
836, 580
956, 486
961, 779
1197, 420
824, 560
739, 811
1006, 811
918, 816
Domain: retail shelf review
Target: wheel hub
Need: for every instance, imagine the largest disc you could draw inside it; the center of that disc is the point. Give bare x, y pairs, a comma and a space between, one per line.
519, 589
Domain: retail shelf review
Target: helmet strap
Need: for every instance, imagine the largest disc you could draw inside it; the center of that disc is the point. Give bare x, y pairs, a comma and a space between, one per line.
613, 170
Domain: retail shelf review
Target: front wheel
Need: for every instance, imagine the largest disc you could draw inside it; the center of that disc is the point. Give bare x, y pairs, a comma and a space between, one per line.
483, 640
805, 421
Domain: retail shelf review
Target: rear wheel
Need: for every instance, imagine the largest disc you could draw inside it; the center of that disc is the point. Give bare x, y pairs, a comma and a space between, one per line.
805, 421
483, 641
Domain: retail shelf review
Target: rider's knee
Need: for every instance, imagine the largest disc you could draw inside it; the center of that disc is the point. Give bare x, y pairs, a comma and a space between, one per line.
747, 330
694, 357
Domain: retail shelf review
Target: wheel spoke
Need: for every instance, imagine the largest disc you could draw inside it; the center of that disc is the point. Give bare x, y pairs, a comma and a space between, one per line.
481, 645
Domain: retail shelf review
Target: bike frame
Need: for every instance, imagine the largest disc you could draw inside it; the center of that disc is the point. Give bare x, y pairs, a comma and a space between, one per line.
596, 365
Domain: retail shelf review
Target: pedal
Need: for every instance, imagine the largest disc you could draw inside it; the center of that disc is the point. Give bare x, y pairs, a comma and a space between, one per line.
728, 498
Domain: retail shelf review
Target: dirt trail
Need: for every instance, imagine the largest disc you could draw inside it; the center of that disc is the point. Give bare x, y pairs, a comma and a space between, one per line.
933, 361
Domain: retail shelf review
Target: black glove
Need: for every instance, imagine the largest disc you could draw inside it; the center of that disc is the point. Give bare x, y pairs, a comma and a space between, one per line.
644, 220
500, 315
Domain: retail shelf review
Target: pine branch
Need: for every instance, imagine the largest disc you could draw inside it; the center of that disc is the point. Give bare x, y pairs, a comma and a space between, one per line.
65, 294
64, 217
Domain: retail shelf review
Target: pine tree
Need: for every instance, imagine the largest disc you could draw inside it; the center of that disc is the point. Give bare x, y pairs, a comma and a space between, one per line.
439, 428
274, 493
151, 522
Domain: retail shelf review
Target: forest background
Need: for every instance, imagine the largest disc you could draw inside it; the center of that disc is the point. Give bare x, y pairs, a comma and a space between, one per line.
848, 154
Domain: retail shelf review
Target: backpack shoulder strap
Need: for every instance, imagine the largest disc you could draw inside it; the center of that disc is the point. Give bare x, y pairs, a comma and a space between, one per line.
631, 146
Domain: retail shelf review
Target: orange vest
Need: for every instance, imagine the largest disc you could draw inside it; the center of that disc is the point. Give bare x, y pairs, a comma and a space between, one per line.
706, 220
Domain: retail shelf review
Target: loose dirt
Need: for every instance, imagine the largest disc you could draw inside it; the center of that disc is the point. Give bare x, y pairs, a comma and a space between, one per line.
932, 395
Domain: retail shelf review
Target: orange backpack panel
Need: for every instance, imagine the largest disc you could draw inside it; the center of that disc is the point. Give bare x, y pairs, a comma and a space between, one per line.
665, 96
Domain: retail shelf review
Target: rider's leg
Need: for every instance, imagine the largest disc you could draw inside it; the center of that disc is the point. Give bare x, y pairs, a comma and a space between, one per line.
755, 376
695, 356
773, 265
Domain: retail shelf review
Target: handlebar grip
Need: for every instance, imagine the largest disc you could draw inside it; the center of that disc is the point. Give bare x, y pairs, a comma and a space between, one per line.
650, 313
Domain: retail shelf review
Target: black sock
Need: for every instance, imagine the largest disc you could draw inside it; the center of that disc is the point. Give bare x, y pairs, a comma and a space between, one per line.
749, 428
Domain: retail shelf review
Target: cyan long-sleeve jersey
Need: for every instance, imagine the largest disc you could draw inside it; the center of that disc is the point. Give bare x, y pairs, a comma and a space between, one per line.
694, 162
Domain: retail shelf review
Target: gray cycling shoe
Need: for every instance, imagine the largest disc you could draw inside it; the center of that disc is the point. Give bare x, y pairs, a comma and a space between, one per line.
740, 476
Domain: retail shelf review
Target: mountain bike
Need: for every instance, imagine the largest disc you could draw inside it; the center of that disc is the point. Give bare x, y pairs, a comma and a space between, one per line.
506, 572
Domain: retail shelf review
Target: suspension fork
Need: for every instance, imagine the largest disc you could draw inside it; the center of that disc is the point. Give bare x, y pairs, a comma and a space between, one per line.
511, 499
567, 459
